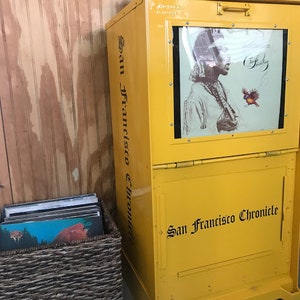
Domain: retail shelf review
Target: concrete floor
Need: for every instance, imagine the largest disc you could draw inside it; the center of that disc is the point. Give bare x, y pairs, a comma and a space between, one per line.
126, 292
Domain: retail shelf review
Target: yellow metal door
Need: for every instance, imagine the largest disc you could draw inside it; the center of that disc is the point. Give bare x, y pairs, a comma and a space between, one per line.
224, 225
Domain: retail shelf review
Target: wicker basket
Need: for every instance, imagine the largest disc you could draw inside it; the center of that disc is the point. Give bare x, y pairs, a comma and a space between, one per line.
89, 269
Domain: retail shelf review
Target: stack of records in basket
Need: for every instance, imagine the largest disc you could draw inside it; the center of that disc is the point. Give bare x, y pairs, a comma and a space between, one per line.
55, 221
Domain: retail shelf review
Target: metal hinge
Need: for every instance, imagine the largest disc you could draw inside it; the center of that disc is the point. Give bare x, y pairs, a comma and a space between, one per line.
191, 163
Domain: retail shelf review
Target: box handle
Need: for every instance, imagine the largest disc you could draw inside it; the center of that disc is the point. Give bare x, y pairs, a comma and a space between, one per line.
223, 7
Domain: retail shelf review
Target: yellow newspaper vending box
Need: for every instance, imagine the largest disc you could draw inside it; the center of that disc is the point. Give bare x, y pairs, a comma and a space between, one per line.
205, 115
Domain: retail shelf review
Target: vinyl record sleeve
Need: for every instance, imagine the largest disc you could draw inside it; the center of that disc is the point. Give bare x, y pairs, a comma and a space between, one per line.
228, 80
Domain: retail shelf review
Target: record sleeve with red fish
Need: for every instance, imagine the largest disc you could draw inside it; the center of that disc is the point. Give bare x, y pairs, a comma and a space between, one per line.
251, 97
73, 233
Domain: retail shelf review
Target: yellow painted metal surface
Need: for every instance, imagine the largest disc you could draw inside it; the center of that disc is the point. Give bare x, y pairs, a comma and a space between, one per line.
219, 224
131, 132
207, 216
160, 69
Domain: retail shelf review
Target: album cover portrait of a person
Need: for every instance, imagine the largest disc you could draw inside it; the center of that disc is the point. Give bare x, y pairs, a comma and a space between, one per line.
230, 80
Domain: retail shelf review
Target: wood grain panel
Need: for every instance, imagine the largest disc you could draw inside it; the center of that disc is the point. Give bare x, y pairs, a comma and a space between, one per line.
55, 99
5, 186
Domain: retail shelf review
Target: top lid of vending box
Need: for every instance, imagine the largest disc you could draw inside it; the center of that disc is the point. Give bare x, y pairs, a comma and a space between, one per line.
127, 9
134, 3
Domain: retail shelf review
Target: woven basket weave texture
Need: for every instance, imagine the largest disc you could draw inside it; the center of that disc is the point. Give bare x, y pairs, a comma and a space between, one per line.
89, 269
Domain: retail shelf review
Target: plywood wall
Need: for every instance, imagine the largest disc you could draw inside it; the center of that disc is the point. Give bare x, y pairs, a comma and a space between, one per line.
55, 99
